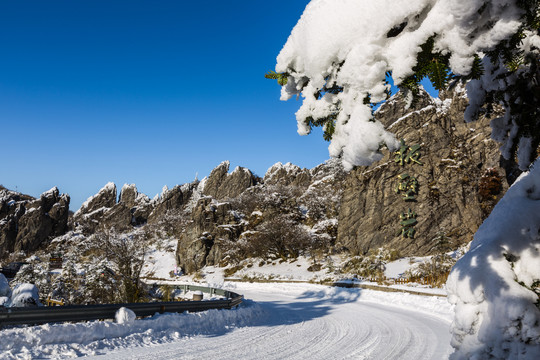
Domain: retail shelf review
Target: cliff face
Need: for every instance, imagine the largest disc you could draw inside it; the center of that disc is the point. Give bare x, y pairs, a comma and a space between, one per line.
447, 173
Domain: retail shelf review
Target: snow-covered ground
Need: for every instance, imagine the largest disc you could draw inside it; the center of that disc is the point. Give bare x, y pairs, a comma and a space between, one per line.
277, 321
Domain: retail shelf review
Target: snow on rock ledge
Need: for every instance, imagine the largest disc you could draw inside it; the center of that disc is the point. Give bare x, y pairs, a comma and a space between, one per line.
287, 174
105, 198
497, 314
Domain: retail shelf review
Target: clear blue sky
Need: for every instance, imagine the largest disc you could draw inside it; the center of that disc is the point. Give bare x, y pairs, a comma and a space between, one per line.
144, 92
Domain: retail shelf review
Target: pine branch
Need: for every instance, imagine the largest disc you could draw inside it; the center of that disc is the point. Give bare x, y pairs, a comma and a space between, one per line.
281, 78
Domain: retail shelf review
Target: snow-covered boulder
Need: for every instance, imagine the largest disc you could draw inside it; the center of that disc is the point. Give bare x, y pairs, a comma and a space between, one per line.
125, 316
496, 285
25, 295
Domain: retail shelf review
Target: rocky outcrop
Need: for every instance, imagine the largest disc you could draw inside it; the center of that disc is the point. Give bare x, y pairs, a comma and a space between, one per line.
452, 196
104, 199
26, 223
172, 199
222, 185
138, 204
217, 229
211, 223
93, 211
102, 211
287, 175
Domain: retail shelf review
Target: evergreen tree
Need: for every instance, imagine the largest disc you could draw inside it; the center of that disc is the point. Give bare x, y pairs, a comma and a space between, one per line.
493, 46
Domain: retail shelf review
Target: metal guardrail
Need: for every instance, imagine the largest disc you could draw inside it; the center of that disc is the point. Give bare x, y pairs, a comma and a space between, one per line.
48, 314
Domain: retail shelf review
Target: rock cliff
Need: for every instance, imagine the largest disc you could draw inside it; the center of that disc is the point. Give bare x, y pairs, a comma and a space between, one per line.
222, 185
447, 172
103, 210
26, 223
221, 231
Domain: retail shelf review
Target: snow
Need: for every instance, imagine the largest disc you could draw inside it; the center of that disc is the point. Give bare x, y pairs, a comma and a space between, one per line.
124, 316
291, 271
25, 295
497, 311
289, 168
160, 261
338, 43
277, 321
396, 269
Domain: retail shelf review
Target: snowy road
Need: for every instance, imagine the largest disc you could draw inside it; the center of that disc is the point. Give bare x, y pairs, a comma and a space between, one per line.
315, 322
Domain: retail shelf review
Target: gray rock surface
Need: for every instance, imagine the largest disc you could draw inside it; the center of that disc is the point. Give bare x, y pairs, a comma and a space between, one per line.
210, 222
456, 157
26, 223
105, 198
173, 199
222, 185
287, 175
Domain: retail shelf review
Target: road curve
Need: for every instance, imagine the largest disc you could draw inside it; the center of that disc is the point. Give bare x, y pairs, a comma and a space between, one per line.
311, 322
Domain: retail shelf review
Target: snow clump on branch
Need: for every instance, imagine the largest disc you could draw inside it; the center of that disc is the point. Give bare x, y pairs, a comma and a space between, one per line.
339, 53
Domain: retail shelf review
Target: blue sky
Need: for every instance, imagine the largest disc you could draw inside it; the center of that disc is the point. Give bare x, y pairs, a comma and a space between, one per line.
143, 92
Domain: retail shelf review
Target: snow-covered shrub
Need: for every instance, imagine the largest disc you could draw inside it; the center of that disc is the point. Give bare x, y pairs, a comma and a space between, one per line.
100, 285
37, 273
436, 269
25, 295
68, 285
321, 203
126, 256
270, 200
493, 285
372, 265
171, 224
276, 238
323, 237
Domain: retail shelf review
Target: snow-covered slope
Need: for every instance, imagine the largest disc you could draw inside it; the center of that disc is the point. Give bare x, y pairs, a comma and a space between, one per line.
495, 286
